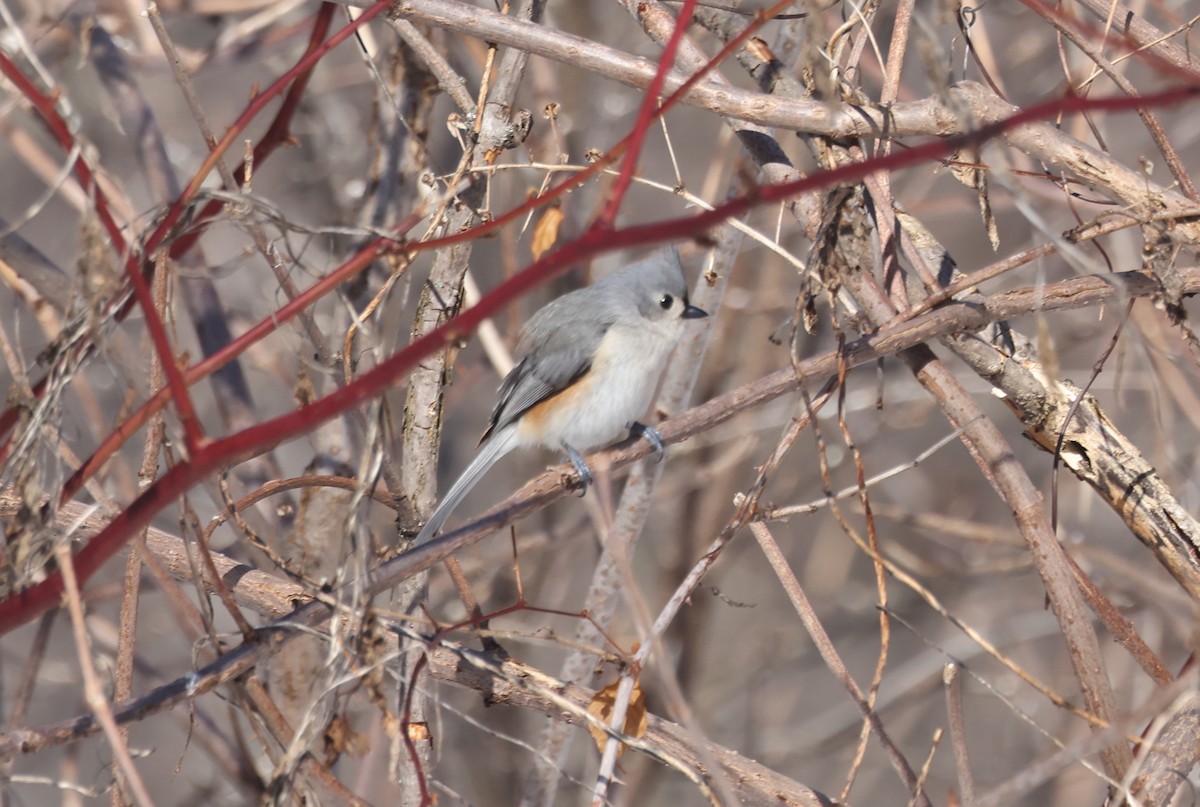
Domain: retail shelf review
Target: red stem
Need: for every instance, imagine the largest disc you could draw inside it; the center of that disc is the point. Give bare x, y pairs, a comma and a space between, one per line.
646, 116
276, 135
265, 327
35, 600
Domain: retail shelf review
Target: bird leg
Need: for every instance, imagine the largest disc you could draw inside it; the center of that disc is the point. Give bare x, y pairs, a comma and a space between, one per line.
581, 468
652, 437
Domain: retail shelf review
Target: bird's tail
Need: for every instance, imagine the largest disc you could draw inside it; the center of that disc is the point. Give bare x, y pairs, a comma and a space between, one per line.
496, 447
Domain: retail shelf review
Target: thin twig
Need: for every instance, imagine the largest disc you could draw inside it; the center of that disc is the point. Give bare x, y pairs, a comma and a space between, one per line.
831, 657
93, 691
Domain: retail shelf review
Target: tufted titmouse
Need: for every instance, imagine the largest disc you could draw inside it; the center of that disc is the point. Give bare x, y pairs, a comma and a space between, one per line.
591, 364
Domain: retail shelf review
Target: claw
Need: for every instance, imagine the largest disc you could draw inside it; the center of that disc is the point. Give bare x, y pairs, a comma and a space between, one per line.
652, 437
581, 468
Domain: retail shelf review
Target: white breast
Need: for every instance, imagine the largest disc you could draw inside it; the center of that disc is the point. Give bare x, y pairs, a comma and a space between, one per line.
617, 391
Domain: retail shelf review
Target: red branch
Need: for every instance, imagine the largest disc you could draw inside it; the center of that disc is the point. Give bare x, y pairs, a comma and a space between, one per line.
645, 117
35, 600
277, 134
369, 253
1120, 39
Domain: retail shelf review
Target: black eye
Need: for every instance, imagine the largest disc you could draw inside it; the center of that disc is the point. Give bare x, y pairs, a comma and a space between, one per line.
666, 301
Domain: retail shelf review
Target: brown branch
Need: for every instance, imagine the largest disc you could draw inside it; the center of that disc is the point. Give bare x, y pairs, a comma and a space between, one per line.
832, 659
1098, 453
257, 590
1149, 119
1170, 755
954, 317
504, 682
1129, 23
516, 684
963, 107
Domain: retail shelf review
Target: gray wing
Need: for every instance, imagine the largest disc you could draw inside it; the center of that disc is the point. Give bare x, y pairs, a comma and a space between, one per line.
559, 342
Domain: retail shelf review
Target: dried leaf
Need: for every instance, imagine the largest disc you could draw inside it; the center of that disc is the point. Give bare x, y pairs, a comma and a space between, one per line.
418, 732
759, 49
964, 164
601, 708
545, 233
985, 210
808, 311
966, 169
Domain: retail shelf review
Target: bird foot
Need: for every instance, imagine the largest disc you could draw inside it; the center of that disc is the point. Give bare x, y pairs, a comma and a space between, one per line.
581, 468
651, 436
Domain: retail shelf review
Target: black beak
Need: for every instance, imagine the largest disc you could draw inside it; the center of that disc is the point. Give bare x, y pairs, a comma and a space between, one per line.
691, 312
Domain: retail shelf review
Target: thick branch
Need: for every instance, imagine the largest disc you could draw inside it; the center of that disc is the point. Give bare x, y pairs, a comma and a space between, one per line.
965, 106
951, 318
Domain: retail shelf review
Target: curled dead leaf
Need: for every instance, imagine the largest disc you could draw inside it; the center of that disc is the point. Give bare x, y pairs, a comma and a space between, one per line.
967, 169
601, 707
759, 49
545, 233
